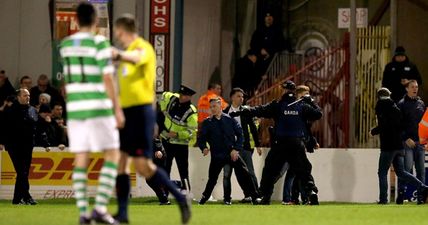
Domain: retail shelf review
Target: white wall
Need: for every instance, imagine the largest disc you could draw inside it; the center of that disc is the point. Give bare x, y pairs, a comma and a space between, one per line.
25, 36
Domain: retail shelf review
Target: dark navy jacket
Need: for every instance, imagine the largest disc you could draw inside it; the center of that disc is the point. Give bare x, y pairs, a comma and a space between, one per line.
412, 111
223, 135
290, 121
388, 125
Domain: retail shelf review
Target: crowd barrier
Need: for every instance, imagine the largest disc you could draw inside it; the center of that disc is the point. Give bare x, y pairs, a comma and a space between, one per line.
342, 175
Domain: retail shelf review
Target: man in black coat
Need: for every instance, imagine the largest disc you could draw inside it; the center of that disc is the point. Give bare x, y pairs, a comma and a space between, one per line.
20, 121
389, 130
251, 140
6, 88
248, 73
412, 109
225, 138
398, 72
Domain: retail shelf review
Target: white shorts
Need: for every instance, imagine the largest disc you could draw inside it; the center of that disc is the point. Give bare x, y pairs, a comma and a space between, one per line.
93, 135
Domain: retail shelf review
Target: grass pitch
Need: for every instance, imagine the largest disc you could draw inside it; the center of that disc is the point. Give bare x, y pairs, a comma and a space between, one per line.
146, 211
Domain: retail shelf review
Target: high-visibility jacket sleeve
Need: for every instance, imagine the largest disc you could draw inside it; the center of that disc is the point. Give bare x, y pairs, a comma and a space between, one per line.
423, 128
192, 126
165, 99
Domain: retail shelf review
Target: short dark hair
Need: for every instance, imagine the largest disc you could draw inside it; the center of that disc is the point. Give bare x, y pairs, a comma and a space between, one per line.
23, 78
235, 90
410, 81
127, 22
86, 14
2, 72
213, 84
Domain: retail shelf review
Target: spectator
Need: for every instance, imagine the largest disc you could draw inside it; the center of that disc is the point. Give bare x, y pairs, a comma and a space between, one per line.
247, 73
398, 73
251, 140
268, 40
214, 91
43, 86
17, 135
6, 88
225, 139
391, 152
412, 109
48, 132
44, 98
26, 82
57, 111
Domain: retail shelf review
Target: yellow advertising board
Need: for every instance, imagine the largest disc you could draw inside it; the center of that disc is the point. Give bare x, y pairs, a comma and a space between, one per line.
52, 169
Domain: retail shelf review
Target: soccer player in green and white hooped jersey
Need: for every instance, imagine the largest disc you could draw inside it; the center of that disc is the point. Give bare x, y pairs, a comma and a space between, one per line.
93, 111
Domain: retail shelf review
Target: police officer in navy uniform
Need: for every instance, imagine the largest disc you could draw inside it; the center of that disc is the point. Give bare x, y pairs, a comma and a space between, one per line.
290, 116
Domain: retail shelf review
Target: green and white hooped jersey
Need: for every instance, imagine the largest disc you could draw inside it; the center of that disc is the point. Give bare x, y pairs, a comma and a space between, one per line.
86, 57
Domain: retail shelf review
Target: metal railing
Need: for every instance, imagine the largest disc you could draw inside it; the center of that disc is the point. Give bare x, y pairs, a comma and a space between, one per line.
326, 72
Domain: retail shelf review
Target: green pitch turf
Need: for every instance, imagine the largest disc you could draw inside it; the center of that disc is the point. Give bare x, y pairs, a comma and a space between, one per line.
146, 211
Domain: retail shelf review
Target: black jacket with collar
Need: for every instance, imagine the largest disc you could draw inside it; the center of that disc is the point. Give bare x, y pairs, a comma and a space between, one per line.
248, 125
412, 110
389, 120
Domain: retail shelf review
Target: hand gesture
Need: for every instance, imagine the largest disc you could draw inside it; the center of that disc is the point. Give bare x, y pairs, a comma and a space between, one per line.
205, 151
410, 143
158, 154
234, 155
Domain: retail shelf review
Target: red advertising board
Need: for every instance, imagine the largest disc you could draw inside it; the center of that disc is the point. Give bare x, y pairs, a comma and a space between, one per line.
160, 16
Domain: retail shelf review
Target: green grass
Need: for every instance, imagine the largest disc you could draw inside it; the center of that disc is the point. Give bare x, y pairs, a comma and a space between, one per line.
146, 211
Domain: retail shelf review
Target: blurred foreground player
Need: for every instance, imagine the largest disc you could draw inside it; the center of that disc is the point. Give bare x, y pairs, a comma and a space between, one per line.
93, 112
136, 80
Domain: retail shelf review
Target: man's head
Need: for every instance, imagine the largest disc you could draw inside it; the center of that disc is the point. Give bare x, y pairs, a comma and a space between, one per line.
215, 106
383, 93
185, 94
215, 87
268, 19
302, 90
43, 82
237, 96
45, 110
57, 110
2, 77
86, 15
44, 98
400, 54
252, 55
289, 86
412, 88
26, 82
125, 27
23, 96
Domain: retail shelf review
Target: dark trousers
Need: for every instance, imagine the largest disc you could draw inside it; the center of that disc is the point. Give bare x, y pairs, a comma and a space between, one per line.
396, 158
246, 156
21, 158
181, 155
160, 191
242, 173
291, 150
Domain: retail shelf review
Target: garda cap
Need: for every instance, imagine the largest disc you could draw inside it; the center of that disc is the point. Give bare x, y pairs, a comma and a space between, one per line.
186, 91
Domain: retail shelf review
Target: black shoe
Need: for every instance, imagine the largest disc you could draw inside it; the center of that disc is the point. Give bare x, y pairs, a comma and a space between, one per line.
83, 220
400, 198
382, 203
422, 195
30, 201
103, 218
313, 199
185, 209
167, 202
203, 200
227, 202
121, 219
264, 201
246, 200
18, 202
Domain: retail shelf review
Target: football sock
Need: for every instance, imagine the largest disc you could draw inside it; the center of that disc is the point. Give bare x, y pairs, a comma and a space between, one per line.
123, 188
106, 184
80, 179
